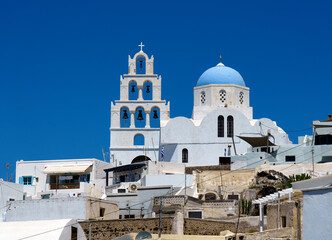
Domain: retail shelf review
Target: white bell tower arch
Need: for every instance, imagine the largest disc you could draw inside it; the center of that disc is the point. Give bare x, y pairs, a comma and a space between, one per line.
136, 118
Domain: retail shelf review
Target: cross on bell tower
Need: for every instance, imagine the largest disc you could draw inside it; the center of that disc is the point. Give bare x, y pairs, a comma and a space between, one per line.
141, 45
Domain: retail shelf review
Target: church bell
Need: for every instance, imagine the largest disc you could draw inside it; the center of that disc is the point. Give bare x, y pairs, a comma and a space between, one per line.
125, 114
133, 88
155, 114
140, 115
147, 89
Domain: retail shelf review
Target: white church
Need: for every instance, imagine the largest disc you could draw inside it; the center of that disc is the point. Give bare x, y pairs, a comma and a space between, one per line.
141, 127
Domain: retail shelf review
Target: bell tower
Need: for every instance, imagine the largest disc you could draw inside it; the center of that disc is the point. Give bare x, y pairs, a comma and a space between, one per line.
136, 118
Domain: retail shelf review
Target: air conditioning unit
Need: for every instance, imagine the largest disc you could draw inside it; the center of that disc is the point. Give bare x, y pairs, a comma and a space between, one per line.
132, 188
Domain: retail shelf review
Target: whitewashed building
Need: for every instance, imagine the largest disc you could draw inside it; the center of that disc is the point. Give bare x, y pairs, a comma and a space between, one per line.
221, 113
71, 177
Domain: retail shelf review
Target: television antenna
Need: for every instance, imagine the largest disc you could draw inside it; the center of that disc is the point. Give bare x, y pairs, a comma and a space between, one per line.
7, 169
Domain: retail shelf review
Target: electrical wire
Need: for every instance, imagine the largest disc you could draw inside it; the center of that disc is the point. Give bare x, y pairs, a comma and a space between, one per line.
245, 167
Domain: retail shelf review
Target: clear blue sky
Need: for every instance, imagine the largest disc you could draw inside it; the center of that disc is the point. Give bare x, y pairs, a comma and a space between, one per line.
61, 61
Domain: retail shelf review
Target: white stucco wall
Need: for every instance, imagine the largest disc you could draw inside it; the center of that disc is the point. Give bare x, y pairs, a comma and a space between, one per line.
41, 230
81, 208
177, 181
317, 214
8, 191
202, 141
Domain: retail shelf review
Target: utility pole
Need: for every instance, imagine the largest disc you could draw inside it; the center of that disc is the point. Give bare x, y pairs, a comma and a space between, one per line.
160, 210
313, 161
312, 151
185, 182
278, 210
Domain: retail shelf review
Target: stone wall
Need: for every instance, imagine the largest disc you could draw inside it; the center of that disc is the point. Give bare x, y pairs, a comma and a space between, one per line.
108, 229
288, 211
283, 233
209, 227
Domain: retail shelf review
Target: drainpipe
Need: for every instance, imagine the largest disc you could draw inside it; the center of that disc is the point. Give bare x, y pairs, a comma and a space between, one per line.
278, 210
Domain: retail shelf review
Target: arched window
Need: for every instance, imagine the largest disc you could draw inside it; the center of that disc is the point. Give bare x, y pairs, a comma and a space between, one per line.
203, 97
147, 91
139, 140
155, 118
133, 91
241, 100
124, 117
185, 155
222, 96
140, 118
221, 126
140, 65
230, 126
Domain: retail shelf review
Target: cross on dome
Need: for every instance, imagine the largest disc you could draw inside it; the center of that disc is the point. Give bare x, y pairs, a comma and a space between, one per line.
141, 45
220, 63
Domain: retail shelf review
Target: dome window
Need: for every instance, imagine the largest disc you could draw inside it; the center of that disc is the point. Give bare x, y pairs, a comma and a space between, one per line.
241, 98
202, 97
222, 95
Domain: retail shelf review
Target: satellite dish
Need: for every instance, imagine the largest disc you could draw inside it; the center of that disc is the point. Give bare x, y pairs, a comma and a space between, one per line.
143, 235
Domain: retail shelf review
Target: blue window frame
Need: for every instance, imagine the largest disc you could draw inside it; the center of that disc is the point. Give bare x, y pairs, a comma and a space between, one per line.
25, 180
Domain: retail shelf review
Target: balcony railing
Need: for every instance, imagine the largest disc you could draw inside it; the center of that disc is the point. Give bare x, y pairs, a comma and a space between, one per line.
54, 186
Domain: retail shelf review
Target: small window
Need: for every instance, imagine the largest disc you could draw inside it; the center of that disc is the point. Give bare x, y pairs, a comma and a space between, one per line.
195, 215
139, 140
11, 199
203, 97
290, 158
129, 216
222, 95
233, 197
241, 97
121, 190
283, 221
184, 155
26, 180
101, 212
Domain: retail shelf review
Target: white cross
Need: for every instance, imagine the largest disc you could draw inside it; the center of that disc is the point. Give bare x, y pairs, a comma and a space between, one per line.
141, 46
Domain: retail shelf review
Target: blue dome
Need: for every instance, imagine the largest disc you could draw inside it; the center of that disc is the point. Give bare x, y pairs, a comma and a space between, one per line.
220, 74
